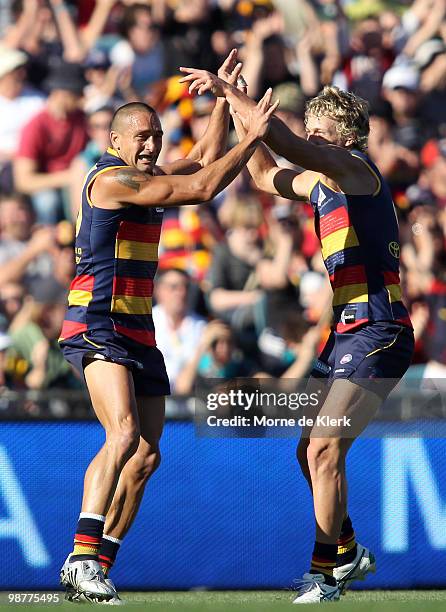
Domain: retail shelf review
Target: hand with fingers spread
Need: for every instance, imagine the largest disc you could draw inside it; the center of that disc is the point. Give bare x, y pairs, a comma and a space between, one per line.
202, 81
256, 121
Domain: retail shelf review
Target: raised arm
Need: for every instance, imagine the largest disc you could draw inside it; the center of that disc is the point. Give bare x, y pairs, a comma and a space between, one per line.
214, 141
72, 45
332, 161
269, 177
125, 186
97, 22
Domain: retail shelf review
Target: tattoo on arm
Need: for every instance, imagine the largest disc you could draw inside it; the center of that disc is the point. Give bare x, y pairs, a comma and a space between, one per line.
132, 178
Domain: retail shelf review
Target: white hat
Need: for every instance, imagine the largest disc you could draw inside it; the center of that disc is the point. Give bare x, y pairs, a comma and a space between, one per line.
10, 59
405, 76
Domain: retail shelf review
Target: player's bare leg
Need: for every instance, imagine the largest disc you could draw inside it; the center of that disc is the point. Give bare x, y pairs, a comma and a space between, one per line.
326, 451
113, 398
138, 469
112, 394
131, 483
320, 387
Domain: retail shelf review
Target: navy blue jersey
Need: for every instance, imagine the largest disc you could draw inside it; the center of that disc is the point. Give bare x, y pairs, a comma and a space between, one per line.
116, 262
360, 247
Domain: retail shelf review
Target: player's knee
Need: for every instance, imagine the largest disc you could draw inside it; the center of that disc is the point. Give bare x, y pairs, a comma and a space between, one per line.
146, 462
325, 456
124, 441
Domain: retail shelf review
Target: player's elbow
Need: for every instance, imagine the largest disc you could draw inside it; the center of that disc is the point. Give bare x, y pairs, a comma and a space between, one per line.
204, 189
265, 182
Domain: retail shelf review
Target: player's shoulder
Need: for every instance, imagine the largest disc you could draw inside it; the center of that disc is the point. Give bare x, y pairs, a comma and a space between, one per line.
122, 176
304, 183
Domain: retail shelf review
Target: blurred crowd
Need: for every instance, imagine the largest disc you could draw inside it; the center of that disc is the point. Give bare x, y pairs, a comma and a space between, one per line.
241, 288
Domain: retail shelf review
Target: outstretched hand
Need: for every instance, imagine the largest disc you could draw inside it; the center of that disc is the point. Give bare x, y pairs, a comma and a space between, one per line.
202, 81
256, 121
230, 70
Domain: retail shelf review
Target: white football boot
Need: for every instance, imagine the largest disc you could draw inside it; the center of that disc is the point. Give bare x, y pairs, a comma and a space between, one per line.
364, 563
313, 589
84, 581
115, 600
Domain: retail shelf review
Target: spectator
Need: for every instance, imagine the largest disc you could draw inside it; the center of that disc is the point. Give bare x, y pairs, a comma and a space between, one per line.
36, 341
187, 31
401, 87
215, 357
24, 252
46, 31
18, 104
430, 59
98, 129
102, 82
142, 48
265, 61
368, 60
50, 142
11, 301
178, 330
397, 163
234, 294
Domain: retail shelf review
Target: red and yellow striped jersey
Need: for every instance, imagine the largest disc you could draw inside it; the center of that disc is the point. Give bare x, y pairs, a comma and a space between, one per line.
116, 261
360, 247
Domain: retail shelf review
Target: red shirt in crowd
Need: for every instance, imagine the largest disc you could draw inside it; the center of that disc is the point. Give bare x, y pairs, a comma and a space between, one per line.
53, 143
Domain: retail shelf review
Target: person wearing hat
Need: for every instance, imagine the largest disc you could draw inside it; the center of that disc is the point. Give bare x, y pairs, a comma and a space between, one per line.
102, 82
50, 142
401, 88
18, 104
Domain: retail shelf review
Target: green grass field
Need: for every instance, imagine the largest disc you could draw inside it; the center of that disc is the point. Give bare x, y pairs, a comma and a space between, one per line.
267, 601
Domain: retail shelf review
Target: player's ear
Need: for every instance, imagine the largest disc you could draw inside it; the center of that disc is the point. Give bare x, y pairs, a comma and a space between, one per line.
114, 138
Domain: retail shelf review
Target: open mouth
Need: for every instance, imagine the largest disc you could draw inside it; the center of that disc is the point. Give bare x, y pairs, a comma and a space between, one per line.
145, 159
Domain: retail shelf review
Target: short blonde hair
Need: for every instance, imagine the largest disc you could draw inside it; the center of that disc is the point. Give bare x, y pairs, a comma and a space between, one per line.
350, 112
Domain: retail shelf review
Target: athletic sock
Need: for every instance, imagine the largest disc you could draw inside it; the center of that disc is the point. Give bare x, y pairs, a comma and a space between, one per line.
347, 547
323, 561
88, 537
107, 552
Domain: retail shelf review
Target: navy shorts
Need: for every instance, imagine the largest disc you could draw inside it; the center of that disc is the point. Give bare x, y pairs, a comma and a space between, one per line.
375, 356
145, 362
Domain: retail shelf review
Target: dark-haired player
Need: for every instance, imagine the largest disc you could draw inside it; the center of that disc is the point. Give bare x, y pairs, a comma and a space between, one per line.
371, 344
108, 333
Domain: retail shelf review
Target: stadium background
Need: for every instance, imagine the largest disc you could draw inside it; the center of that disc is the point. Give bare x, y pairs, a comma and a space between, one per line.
221, 513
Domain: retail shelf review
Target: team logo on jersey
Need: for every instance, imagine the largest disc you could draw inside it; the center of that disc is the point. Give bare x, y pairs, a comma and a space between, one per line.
322, 367
394, 249
159, 210
346, 358
321, 197
348, 315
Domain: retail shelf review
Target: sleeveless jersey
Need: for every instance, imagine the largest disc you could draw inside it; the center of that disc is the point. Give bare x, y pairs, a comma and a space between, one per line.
116, 261
360, 247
